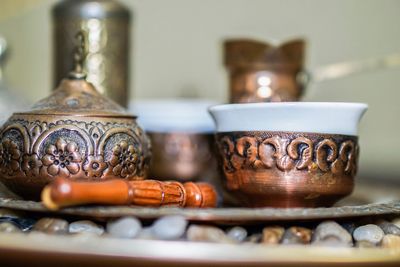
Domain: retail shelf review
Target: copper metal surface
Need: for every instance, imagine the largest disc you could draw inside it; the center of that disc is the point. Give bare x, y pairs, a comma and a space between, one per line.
75, 133
260, 72
284, 169
88, 250
182, 156
107, 24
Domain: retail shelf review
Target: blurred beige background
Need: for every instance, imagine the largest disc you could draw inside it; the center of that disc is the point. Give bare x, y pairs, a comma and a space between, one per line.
177, 52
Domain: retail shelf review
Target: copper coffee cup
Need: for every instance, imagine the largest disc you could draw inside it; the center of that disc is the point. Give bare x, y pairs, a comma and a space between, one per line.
288, 154
182, 135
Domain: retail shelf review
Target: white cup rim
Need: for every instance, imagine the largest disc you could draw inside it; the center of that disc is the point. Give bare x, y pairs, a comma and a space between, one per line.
312, 117
289, 104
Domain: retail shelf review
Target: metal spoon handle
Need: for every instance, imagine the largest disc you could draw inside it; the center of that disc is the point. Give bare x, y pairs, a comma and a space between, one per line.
342, 69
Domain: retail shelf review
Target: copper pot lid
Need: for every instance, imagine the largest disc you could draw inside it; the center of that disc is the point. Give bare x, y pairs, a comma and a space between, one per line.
77, 97
246, 52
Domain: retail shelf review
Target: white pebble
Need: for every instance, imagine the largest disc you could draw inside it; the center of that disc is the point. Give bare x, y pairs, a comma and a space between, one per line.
85, 226
127, 227
237, 233
370, 232
169, 227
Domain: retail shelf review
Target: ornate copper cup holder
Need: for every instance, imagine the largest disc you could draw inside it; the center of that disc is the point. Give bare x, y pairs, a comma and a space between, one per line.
288, 154
182, 136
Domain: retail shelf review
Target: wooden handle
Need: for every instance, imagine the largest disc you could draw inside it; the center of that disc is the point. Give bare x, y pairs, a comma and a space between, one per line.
63, 193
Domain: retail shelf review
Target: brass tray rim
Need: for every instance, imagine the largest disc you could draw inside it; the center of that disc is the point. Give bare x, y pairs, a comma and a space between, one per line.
214, 215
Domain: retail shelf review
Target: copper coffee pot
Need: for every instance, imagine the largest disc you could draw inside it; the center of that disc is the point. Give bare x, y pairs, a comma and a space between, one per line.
75, 133
262, 72
107, 24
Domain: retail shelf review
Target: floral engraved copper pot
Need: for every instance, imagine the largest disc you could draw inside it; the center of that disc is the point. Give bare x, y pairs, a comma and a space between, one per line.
75, 133
288, 154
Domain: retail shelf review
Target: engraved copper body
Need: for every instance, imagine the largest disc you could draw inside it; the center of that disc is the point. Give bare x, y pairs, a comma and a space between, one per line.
182, 136
75, 133
107, 24
286, 169
260, 72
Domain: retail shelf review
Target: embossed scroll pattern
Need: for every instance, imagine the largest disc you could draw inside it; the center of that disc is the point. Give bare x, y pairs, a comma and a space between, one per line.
286, 152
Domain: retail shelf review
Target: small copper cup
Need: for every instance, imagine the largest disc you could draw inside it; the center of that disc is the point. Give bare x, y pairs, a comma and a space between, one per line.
288, 154
184, 156
182, 135
261, 72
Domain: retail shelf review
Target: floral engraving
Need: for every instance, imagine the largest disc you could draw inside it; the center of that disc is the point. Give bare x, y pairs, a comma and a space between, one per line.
79, 149
94, 166
62, 159
31, 165
9, 157
124, 160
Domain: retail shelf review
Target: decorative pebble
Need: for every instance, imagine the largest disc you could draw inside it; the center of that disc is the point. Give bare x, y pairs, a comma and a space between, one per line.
8, 227
296, 235
389, 228
331, 233
237, 233
272, 234
127, 227
86, 226
369, 232
169, 227
207, 234
51, 226
391, 241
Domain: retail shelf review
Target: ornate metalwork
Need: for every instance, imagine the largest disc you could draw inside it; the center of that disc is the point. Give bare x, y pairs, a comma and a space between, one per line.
75, 133
108, 36
74, 149
289, 169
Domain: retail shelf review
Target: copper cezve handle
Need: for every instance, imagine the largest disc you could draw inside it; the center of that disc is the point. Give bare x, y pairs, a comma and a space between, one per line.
63, 192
